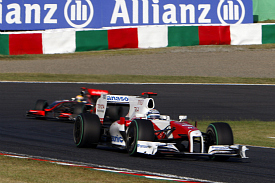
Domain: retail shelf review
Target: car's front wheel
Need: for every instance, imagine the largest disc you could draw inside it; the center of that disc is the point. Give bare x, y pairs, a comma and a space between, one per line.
41, 105
139, 129
219, 134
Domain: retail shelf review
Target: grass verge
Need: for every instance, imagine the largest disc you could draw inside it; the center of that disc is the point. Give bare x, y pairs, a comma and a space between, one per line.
27, 171
134, 51
129, 78
255, 133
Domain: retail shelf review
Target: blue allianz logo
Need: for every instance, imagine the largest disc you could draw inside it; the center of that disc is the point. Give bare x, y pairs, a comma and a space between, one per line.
79, 13
231, 11
53, 14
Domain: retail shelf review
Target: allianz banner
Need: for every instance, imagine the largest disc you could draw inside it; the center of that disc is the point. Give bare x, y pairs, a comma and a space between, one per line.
55, 14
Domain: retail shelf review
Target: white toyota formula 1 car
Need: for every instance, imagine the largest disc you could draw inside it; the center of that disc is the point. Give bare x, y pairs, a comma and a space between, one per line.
143, 130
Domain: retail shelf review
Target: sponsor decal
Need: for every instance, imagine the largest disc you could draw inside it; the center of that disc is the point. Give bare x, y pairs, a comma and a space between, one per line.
136, 109
117, 139
100, 106
97, 92
52, 14
220, 148
140, 102
113, 98
77, 14
185, 124
154, 12
142, 146
231, 11
49, 14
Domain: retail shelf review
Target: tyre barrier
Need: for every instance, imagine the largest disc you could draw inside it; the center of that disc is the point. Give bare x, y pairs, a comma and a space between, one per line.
70, 40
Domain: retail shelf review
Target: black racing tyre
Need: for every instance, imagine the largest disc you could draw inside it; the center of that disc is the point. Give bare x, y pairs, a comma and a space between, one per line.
78, 109
139, 129
41, 105
113, 113
219, 134
86, 130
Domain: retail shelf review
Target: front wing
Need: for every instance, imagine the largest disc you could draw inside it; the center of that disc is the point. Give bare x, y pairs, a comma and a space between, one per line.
35, 113
49, 115
151, 148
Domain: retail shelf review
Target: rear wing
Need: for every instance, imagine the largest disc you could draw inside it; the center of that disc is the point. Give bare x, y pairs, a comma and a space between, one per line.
138, 106
95, 92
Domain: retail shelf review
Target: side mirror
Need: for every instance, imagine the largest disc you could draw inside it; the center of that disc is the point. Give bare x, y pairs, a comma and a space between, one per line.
182, 117
140, 115
164, 117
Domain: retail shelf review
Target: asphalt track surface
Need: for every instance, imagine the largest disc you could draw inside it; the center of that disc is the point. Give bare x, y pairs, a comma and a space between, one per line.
51, 138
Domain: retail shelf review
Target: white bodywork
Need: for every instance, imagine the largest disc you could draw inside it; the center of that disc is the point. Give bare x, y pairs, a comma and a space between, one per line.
139, 106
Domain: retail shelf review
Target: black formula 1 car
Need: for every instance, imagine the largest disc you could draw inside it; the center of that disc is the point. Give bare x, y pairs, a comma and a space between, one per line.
143, 130
67, 109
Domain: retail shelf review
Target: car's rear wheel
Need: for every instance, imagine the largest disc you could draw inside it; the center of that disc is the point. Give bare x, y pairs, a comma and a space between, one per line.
138, 130
78, 109
219, 134
113, 113
87, 129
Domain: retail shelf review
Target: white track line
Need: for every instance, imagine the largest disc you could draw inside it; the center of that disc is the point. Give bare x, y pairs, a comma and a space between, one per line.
146, 174
225, 84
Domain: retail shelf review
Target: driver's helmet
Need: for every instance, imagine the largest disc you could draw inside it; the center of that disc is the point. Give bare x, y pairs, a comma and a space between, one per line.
153, 114
79, 98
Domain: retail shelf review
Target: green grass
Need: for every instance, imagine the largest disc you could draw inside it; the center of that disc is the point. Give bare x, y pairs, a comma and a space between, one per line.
130, 78
88, 53
131, 52
266, 21
248, 132
24, 170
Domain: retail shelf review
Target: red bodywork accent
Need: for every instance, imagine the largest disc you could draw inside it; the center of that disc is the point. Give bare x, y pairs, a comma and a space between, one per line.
160, 135
122, 121
149, 93
57, 104
181, 128
95, 92
64, 115
37, 112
